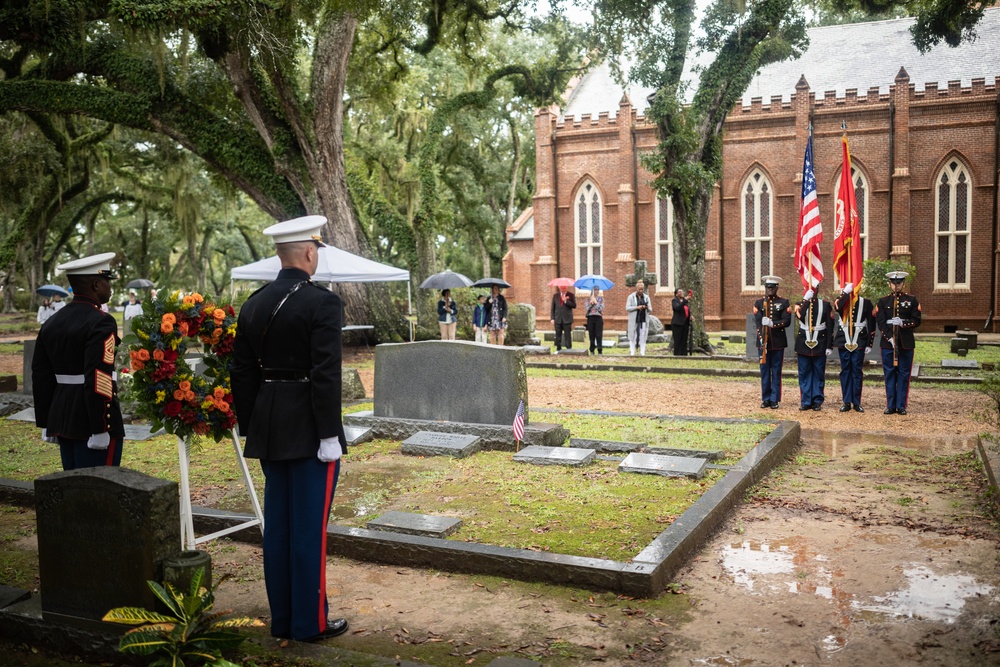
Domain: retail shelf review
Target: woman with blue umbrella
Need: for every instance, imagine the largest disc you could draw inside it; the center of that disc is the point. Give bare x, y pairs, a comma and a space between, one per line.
595, 308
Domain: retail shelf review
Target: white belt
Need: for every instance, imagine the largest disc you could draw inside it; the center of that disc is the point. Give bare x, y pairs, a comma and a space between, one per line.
78, 379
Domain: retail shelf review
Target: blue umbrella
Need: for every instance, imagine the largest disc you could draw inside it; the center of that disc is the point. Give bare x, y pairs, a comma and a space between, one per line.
52, 290
592, 280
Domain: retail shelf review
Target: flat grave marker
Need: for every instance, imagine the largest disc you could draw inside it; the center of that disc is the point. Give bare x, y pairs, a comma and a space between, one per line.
357, 435
606, 445
562, 456
668, 466
26, 415
959, 363
431, 443
415, 524
707, 454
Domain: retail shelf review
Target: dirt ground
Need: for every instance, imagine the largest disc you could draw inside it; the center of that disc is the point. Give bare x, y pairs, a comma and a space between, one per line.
820, 571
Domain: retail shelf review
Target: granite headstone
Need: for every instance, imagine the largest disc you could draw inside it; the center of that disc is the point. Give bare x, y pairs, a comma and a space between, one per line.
29, 353
102, 534
457, 381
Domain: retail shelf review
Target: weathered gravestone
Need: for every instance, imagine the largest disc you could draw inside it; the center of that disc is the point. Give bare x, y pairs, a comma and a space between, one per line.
606, 445
457, 381
102, 533
564, 456
350, 384
415, 524
29, 353
520, 324
959, 363
668, 466
959, 344
971, 336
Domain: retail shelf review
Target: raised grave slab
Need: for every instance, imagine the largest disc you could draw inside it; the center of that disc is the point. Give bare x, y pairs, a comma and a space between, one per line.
26, 415
415, 524
560, 456
537, 349
419, 381
357, 435
574, 352
10, 595
428, 443
493, 436
609, 342
141, 432
668, 466
707, 454
959, 363
606, 445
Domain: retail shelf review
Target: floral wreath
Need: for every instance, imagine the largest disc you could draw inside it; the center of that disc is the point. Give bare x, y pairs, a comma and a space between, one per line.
163, 386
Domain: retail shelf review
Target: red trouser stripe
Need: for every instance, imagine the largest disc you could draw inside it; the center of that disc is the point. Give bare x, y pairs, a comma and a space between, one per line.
110, 461
331, 475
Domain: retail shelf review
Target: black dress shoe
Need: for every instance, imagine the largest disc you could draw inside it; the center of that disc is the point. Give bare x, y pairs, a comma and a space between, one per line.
901, 411
818, 407
334, 628
774, 406
846, 407
765, 404
803, 408
889, 411
858, 408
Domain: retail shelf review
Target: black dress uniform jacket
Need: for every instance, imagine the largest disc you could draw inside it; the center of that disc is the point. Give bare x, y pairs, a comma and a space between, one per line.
287, 388
824, 337
900, 305
867, 335
780, 314
78, 342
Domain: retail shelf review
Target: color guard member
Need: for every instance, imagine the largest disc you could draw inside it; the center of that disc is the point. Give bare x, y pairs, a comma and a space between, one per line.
73, 371
812, 347
773, 314
897, 315
286, 377
855, 335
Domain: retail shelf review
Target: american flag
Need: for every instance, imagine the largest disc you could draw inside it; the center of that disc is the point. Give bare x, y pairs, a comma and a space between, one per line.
807, 260
519, 422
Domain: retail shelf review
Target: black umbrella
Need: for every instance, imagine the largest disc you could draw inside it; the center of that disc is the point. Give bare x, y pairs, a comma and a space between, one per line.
139, 283
490, 282
52, 290
446, 280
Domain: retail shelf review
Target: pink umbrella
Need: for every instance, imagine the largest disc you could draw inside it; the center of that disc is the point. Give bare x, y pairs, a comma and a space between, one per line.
561, 282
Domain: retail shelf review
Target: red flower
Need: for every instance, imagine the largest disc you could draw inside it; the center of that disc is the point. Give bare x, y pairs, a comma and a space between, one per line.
172, 409
170, 355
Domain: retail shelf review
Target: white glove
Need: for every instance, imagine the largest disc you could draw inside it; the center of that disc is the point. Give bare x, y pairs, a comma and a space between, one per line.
848, 288
47, 438
895, 321
767, 321
99, 441
892, 341
810, 294
829, 351
868, 350
330, 449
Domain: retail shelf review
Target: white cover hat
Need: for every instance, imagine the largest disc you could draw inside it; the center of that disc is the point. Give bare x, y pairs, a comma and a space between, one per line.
896, 275
770, 280
94, 265
306, 228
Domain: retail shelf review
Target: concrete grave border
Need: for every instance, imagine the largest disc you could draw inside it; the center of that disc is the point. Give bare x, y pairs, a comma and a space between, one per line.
645, 575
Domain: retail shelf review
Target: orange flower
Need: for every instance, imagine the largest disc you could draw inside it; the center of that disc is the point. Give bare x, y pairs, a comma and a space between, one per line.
168, 318
179, 394
223, 406
219, 392
197, 297
166, 327
189, 395
184, 385
158, 355
219, 314
217, 334
143, 355
137, 365
183, 328
187, 301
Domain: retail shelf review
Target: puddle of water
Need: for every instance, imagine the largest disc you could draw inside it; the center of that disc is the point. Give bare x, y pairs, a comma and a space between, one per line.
747, 560
833, 643
929, 596
728, 660
835, 443
365, 493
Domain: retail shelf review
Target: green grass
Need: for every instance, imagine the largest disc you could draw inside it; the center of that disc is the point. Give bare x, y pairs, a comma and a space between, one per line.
588, 511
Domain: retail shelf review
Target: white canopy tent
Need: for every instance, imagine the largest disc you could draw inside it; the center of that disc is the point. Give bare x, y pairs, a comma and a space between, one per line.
335, 266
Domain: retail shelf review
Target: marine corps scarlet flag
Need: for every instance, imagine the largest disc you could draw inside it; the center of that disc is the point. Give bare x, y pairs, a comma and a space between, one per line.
847, 232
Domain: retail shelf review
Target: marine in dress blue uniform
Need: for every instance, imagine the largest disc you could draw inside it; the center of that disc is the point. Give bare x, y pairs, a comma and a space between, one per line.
73, 371
286, 378
773, 314
855, 335
897, 315
813, 344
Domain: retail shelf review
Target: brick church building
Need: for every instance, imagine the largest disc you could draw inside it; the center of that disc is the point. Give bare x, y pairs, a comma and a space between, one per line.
924, 134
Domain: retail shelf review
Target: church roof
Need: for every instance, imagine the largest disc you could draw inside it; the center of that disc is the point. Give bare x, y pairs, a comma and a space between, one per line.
857, 55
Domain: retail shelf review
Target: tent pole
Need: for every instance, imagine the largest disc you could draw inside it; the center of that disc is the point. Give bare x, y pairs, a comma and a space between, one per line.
409, 308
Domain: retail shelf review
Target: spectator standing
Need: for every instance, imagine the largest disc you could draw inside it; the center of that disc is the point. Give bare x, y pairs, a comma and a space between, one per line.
496, 316
447, 315
680, 322
563, 303
595, 320
479, 319
45, 311
638, 308
133, 308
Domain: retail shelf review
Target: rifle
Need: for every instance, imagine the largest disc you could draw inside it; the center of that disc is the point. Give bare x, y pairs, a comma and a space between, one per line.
895, 331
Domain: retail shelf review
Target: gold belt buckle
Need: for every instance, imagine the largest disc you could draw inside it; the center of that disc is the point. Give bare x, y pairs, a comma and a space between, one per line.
851, 346
811, 343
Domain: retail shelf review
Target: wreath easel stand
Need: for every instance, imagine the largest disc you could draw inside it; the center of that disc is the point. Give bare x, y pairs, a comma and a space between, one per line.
188, 539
